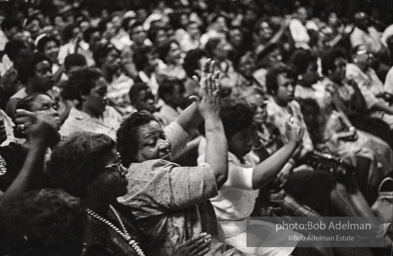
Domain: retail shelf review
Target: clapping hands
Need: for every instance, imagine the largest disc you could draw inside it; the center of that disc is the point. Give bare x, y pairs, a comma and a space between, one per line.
293, 130
209, 101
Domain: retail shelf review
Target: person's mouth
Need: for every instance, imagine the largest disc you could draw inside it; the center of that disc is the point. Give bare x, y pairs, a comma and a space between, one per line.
166, 155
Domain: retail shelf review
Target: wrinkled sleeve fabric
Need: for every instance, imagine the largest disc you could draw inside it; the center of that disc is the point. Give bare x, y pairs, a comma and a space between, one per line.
158, 186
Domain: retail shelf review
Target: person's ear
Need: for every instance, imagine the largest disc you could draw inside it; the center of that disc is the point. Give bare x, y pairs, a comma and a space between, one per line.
355, 60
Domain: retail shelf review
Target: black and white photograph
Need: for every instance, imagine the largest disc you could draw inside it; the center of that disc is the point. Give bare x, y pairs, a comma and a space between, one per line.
196, 128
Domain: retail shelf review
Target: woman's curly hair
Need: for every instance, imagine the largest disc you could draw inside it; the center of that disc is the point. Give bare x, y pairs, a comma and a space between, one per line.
76, 161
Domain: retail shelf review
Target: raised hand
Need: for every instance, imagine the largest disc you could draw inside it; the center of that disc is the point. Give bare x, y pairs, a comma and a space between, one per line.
293, 132
197, 246
38, 127
209, 102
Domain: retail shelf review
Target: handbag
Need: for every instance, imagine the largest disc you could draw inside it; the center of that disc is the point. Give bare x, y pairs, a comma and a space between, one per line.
340, 170
383, 206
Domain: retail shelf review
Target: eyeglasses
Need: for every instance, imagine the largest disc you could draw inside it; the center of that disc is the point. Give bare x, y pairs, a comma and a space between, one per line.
116, 167
360, 52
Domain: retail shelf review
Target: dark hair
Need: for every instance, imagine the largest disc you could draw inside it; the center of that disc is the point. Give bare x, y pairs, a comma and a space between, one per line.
134, 25
27, 102
236, 115
43, 222
67, 32
191, 61
167, 87
211, 45
102, 52
140, 57
9, 23
82, 81
271, 77
328, 59
301, 59
217, 16
26, 69
258, 23
13, 47
33, 18
88, 32
136, 89
74, 59
164, 49
153, 31
77, 160
44, 40
102, 24
127, 136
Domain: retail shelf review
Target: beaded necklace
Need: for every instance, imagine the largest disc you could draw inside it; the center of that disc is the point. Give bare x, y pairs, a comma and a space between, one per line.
123, 233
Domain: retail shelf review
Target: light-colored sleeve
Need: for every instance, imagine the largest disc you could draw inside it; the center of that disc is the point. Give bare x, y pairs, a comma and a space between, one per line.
9, 128
238, 176
156, 187
177, 137
388, 86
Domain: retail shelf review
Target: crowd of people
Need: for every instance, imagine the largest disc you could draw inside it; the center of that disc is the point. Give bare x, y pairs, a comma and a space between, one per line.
160, 130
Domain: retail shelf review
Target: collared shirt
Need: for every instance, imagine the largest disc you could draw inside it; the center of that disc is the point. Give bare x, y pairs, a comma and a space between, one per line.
78, 121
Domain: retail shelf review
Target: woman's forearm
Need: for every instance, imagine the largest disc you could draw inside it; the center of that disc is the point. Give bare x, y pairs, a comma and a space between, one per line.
267, 171
31, 170
216, 149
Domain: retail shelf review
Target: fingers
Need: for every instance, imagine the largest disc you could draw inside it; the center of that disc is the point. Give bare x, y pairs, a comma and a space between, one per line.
203, 251
201, 245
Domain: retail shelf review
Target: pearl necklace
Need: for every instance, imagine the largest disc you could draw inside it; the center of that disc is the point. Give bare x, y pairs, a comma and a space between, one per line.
123, 233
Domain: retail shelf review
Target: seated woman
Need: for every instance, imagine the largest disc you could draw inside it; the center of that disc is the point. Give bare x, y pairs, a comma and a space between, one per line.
171, 202
13, 155
91, 113
338, 136
347, 200
348, 96
236, 198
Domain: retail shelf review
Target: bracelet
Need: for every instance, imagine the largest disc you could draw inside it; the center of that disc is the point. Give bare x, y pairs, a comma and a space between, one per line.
292, 162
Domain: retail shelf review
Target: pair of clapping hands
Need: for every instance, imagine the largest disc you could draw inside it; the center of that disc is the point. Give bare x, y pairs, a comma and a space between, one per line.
37, 127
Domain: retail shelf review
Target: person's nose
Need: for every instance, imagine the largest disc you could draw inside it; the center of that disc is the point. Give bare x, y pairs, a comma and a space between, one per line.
164, 145
49, 74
